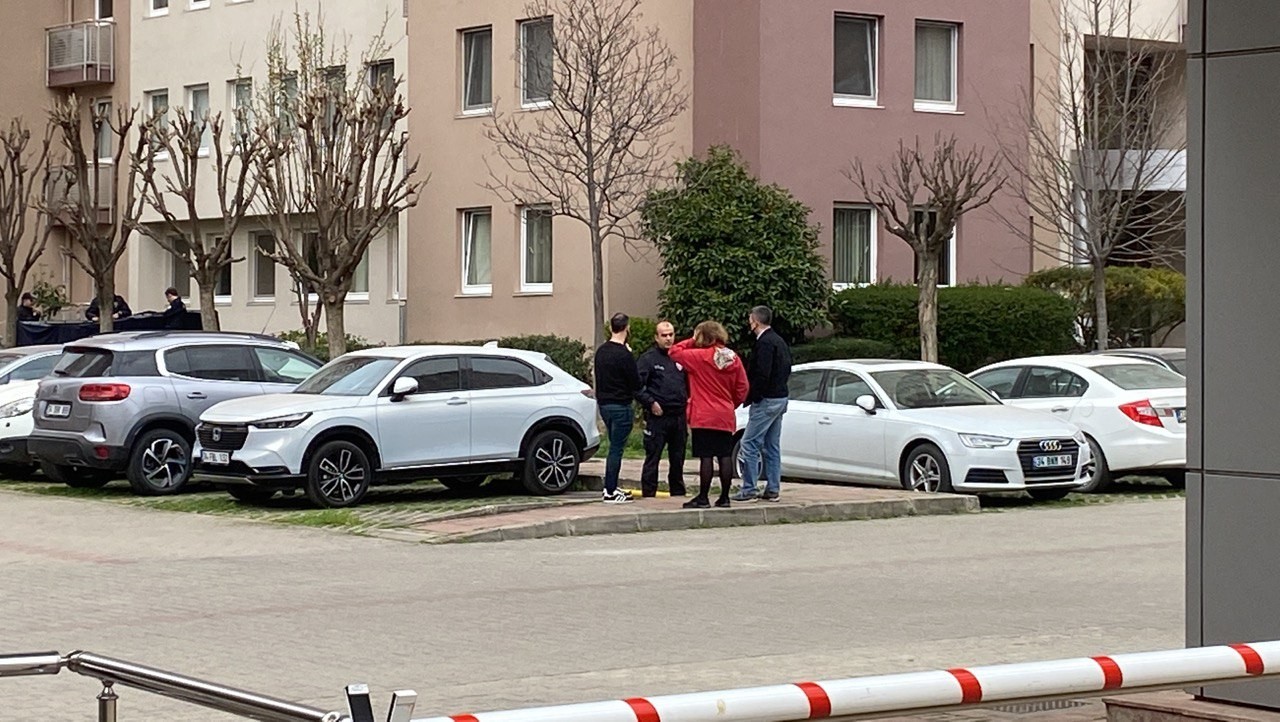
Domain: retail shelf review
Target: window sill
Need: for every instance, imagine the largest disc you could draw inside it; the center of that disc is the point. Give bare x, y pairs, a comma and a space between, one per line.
477, 113
202, 153
361, 299
531, 292
539, 105
263, 301
156, 14
193, 8
476, 294
841, 101
937, 109
222, 300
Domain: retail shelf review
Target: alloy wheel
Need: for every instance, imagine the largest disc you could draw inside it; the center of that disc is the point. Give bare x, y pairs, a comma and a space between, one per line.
342, 476
925, 474
555, 464
164, 464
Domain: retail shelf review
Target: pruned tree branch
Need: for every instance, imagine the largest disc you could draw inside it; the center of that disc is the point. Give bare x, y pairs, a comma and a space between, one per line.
24, 171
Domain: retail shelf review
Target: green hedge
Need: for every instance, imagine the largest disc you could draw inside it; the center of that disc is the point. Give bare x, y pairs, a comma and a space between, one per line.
976, 324
567, 353
839, 347
1143, 304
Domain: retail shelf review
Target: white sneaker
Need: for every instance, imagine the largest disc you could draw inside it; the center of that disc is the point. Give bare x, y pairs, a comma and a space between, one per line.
617, 497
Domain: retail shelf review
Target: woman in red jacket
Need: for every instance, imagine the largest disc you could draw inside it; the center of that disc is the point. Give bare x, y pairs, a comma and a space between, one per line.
717, 386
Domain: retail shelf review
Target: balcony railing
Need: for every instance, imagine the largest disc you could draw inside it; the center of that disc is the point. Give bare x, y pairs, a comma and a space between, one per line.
81, 53
64, 195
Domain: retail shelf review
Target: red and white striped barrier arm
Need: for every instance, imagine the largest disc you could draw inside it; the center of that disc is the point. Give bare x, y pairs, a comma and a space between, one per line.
919, 691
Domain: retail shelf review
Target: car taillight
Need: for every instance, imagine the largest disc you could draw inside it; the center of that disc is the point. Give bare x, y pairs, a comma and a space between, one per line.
104, 392
1142, 413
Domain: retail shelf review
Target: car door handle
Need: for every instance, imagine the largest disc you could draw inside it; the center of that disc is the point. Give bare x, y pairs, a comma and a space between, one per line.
824, 422
197, 395
456, 402
1060, 409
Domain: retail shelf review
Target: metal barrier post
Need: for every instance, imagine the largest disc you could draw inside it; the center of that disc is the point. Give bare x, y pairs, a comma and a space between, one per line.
107, 702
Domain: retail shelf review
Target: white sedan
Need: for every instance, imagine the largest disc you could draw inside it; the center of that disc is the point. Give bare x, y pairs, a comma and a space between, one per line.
1133, 412
924, 426
16, 422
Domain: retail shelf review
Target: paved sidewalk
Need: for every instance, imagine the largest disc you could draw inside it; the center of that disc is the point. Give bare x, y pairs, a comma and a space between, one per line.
581, 513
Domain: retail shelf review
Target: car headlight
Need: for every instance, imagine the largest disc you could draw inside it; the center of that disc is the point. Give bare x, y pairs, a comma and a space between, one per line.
984, 441
17, 408
280, 422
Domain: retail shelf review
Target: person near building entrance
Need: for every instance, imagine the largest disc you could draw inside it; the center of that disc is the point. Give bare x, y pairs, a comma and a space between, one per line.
664, 392
768, 371
617, 384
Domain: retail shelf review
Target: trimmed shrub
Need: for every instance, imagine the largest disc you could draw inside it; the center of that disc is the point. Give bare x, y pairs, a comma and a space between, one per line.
1143, 304
642, 333
321, 349
840, 347
977, 325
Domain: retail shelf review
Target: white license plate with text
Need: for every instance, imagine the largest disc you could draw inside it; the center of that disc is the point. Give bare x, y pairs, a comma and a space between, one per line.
57, 411
216, 457
1053, 462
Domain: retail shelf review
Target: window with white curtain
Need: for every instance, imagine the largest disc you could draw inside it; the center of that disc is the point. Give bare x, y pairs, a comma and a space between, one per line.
360, 279
198, 107
242, 107
106, 137
477, 70
853, 245
535, 242
158, 102
855, 60
536, 51
926, 222
936, 66
477, 251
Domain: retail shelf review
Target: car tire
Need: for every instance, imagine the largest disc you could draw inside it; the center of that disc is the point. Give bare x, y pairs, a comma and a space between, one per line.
1176, 479
159, 463
551, 464
1101, 472
926, 469
251, 494
76, 477
463, 483
338, 475
1049, 494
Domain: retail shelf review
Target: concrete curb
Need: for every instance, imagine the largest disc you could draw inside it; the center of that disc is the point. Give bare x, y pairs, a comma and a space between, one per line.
742, 515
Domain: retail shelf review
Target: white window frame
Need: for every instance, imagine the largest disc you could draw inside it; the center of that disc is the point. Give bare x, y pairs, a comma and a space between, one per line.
861, 101
874, 241
466, 67
935, 106
97, 11
198, 4
160, 154
537, 104
110, 157
952, 247
259, 257
481, 289
362, 296
206, 138
155, 12
526, 287
233, 96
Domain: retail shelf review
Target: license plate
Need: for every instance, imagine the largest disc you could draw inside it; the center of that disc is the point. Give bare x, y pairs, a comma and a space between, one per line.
1050, 462
57, 411
216, 457
1180, 415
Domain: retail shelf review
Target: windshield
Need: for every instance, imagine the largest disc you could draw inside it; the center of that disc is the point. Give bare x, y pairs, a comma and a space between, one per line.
1141, 376
348, 376
932, 388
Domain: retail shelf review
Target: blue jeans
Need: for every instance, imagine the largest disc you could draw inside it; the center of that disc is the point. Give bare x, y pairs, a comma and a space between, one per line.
762, 438
618, 419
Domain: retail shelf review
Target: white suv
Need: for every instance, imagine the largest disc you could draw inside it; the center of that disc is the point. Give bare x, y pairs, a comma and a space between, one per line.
454, 413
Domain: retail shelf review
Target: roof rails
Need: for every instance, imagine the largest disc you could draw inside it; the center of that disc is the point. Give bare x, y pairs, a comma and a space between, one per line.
239, 334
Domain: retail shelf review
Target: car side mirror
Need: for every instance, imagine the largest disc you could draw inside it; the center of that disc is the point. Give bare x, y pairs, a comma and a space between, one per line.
867, 403
402, 387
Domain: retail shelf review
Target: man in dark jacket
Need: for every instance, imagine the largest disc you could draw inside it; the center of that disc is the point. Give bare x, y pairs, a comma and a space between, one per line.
664, 392
119, 309
617, 384
174, 313
27, 308
769, 371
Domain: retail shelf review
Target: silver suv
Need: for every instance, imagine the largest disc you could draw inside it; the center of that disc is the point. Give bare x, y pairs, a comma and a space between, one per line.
130, 402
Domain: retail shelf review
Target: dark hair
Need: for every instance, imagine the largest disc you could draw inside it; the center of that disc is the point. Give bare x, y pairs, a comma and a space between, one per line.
28, 297
619, 322
171, 291
763, 315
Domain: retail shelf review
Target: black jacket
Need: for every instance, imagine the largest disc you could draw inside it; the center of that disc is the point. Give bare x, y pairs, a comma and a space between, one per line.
615, 370
662, 380
28, 314
770, 368
117, 306
173, 314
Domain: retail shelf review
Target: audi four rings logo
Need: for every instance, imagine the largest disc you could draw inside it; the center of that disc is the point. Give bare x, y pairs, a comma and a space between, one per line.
217, 434
1046, 445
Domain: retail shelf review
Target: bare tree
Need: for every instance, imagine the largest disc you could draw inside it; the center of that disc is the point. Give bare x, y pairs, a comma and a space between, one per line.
191, 142
85, 192
922, 195
334, 170
24, 170
612, 92
1098, 150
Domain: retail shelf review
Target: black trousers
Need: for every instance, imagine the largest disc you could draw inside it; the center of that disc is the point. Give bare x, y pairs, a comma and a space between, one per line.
671, 431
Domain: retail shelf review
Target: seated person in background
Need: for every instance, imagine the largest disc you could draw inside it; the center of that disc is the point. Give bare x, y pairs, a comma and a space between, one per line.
119, 309
27, 309
173, 314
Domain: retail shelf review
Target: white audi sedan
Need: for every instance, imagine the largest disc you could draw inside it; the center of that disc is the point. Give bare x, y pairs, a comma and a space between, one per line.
1133, 412
454, 413
924, 426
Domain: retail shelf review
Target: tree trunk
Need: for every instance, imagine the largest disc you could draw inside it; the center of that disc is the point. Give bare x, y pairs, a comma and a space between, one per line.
11, 296
106, 303
1101, 324
597, 287
927, 306
208, 307
335, 324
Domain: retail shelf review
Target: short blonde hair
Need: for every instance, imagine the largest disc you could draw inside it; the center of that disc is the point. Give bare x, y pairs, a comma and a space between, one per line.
709, 333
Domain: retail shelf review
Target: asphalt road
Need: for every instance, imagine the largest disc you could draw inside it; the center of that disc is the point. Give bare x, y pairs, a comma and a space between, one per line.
299, 613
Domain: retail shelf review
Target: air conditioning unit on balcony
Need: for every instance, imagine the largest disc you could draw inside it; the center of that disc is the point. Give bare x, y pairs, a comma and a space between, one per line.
80, 53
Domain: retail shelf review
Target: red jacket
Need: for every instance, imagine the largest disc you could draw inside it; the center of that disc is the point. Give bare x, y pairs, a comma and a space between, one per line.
717, 384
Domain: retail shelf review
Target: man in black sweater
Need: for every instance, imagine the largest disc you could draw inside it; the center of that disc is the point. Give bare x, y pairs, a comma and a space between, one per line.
174, 313
617, 384
664, 392
768, 372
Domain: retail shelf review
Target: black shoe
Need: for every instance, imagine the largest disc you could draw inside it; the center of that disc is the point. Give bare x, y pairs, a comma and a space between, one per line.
771, 496
697, 502
678, 492
723, 502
